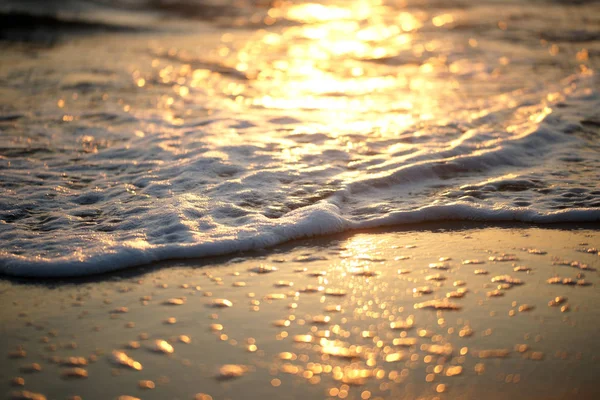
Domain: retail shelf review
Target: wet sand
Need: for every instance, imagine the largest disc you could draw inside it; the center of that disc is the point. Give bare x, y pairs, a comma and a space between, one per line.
430, 313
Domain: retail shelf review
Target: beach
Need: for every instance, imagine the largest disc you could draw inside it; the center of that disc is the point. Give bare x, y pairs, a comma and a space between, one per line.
358, 316
244, 199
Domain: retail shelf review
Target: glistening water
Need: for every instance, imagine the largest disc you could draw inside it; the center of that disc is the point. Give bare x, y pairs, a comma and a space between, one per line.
138, 131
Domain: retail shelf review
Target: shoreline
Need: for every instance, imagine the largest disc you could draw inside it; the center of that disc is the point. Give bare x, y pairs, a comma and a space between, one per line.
451, 225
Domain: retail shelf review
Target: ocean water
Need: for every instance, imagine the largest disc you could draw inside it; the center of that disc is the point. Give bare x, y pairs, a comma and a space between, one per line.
136, 131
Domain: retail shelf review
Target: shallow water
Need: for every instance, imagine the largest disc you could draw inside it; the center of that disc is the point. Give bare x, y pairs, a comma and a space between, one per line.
336, 318
132, 132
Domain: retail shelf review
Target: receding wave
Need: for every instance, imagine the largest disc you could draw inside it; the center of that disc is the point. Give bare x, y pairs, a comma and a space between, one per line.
321, 219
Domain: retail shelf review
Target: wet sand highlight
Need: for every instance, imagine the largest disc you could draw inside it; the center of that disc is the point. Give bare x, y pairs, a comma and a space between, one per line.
450, 314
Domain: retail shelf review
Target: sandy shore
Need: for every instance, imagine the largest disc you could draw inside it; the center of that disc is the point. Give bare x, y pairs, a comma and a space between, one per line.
435, 313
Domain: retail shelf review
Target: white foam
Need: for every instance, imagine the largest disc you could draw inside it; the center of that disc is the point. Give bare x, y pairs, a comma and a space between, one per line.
316, 220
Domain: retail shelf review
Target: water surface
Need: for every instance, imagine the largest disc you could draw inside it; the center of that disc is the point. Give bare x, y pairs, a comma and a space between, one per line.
138, 131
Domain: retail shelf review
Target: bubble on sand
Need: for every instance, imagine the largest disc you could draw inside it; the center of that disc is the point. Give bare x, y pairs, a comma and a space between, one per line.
403, 324
312, 289
401, 258
438, 349
578, 265
403, 271
438, 305
536, 252
504, 258
495, 293
352, 376
120, 358
421, 290
404, 342
231, 371
479, 368
27, 395
493, 353
263, 269
368, 334
333, 308
465, 331
454, 370
321, 319
162, 346
506, 279
288, 356
365, 272
440, 265
221, 303
74, 361
323, 333
133, 345
425, 333
76, 373
275, 296
473, 262
558, 300
335, 292
17, 381
457, 294
185, 339
525, 307
557, 280
146, 384
521, 268
521, 348
216, 327
335, 348
459, 283
395, 357
303, 338
175, 301
436, 277
238, 284
283, 284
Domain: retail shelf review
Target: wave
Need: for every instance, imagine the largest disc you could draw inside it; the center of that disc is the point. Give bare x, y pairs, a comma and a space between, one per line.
320, 219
